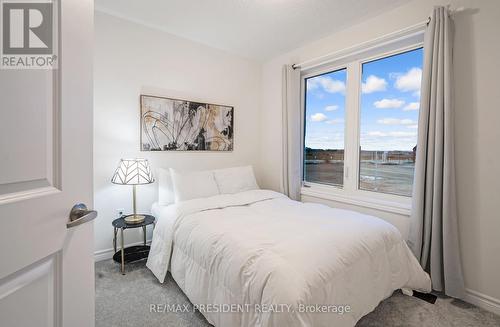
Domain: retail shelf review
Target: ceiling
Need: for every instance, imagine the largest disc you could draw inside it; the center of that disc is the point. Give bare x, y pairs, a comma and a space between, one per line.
256, 29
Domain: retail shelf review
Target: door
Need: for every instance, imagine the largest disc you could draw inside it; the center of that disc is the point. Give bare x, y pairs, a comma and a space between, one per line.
46, 268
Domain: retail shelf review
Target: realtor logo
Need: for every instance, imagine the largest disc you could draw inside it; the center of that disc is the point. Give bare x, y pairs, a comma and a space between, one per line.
28, 34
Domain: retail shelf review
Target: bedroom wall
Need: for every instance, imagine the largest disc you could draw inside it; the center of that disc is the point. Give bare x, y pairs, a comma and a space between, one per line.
131, 59
477, 134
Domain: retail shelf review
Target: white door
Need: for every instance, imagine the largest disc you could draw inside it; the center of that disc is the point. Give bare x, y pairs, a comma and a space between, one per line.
46, 268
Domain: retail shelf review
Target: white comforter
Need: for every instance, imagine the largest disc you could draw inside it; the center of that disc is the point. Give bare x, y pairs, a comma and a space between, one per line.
277, 259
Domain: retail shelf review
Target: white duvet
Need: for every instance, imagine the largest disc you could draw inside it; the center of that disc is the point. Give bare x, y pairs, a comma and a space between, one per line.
279, 262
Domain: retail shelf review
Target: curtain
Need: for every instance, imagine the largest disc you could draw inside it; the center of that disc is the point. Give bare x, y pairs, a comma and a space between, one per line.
433, 234
292, 127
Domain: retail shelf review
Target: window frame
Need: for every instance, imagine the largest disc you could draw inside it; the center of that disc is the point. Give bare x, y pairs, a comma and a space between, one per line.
350, 193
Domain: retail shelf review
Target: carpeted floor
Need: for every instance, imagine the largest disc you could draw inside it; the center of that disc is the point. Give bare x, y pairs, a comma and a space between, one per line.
124, 301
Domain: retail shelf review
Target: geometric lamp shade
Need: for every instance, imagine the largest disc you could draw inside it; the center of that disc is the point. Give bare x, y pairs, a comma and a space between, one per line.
133, 172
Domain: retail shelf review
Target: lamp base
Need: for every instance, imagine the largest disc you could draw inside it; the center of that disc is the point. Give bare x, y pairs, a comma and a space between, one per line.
134, 219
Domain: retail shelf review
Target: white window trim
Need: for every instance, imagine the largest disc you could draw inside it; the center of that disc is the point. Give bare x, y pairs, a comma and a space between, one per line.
395, 204
349, 192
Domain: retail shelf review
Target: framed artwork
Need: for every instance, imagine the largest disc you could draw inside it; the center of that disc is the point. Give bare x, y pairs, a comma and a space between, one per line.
180, 125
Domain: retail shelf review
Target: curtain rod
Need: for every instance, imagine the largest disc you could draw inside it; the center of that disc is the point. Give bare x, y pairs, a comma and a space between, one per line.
360, 45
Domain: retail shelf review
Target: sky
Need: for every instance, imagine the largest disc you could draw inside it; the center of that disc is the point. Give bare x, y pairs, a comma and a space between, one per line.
389, 105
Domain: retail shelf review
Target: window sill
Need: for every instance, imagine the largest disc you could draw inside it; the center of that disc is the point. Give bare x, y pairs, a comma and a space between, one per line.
401, 207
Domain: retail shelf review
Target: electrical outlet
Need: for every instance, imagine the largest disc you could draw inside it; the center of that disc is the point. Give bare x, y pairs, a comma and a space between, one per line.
120, 212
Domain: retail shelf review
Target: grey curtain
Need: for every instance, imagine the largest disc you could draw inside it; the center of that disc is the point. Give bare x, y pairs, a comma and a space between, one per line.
292, 126
434, 225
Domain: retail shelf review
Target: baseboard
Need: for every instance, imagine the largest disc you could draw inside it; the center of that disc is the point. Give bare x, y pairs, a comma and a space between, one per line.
108, 253
483, 301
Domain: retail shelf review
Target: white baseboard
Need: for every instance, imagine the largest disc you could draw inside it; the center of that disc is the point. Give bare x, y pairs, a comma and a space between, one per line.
108, 253
483, 301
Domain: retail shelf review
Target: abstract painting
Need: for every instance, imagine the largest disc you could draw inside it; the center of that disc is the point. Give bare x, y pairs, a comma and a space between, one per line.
181, 125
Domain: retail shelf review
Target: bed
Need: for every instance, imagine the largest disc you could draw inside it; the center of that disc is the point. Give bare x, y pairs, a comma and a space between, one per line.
257, 258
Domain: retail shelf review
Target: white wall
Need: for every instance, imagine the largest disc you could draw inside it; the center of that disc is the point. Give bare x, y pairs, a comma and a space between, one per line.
131, 59
477, 51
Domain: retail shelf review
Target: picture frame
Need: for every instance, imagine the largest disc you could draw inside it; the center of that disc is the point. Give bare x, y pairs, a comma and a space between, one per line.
169, 124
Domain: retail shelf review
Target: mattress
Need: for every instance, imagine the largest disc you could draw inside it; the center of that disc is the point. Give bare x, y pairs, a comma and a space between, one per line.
257, 258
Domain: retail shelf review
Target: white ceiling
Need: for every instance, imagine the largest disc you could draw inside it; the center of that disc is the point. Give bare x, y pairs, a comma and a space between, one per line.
256, 29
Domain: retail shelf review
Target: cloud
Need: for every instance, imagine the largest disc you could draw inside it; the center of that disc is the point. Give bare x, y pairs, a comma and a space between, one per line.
410, 81
325, 140
376, 133
335, 121
326, 83
331, 108
388, 143
318, 117
373, 84
391, 134
321, 117
388, 103
415, 126
412, 106
402, 134
395, 121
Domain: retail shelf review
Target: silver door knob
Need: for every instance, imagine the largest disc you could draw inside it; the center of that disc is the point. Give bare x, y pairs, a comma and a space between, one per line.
79, 214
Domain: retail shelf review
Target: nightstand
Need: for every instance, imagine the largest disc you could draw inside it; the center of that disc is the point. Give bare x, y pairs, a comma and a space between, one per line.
131, 253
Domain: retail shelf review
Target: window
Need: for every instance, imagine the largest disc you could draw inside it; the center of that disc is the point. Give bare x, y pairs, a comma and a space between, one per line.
360, 126
324, 128
390, 98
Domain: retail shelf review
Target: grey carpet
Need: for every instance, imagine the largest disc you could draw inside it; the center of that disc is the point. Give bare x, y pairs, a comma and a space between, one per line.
124, 301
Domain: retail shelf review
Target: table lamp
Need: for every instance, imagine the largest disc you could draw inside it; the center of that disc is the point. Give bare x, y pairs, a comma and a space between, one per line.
133, 172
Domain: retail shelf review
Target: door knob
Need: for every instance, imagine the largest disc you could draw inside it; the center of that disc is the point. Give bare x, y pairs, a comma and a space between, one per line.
79, 214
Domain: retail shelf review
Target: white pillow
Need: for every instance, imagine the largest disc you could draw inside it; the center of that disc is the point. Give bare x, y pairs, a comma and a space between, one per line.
166, 194
193, 185
236, 179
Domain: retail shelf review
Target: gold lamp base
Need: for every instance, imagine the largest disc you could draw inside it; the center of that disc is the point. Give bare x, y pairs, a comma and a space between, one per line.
134, 219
